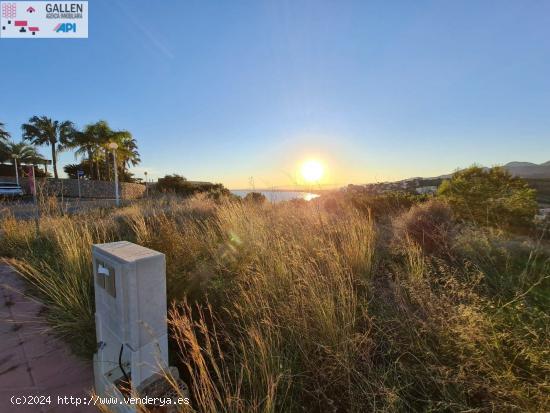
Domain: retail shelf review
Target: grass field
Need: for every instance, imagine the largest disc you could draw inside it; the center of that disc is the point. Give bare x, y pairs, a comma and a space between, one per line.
317, 306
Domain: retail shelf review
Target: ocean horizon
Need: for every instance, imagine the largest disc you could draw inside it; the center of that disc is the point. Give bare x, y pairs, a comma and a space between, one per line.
278, 196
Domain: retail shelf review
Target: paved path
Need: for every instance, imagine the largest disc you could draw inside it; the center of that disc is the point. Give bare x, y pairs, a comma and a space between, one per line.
33, 362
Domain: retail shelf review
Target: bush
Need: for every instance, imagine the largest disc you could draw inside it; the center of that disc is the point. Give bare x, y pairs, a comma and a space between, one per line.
177, 184
174, 184
385, 204
490, 197
509, 264
255, 197
427, 224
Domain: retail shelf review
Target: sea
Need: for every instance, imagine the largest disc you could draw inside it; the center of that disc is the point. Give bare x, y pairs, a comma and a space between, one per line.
278, 196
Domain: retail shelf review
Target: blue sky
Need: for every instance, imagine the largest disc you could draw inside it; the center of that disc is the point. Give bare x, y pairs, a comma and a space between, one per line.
226, 90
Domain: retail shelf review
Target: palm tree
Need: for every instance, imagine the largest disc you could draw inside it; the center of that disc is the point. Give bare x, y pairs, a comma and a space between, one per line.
87, 147
72, 169
3, 152
127, 153
4, 134
45, 131
23, 152
93, 143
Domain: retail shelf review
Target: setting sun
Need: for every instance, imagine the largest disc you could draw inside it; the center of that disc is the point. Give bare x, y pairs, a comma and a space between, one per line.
312, 171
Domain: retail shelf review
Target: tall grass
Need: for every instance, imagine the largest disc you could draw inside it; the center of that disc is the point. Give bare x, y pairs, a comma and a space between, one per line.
294, 307
55, 260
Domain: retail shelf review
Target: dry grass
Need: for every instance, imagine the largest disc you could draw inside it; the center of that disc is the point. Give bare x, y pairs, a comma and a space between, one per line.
428, 224
291, 307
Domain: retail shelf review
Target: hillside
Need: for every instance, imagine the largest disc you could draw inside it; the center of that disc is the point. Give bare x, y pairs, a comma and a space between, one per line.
537, 175
529, 170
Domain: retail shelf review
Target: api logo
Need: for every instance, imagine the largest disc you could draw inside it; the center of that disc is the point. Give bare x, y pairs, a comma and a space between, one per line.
65, 28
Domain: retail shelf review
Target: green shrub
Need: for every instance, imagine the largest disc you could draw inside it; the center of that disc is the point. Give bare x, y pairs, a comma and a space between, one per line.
490, 197
179, 185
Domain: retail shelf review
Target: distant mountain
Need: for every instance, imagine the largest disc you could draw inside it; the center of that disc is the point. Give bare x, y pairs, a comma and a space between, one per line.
528, 169
521, 169
537, 176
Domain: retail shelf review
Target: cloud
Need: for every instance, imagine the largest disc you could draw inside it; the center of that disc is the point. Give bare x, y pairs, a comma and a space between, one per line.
153, 40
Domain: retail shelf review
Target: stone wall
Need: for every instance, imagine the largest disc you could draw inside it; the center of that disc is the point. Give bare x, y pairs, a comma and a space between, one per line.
89, 189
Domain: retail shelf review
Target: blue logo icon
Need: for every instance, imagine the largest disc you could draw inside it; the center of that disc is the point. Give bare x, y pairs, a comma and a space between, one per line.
65, 28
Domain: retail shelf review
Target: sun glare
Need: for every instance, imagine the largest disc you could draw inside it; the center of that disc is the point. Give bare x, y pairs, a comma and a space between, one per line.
312, 171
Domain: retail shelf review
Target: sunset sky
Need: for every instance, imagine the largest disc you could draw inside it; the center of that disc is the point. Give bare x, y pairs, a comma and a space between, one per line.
227, 90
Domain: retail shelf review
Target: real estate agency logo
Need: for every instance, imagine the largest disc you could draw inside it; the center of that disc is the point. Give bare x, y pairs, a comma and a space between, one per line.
24, 19
65, 28
64, 10
9, 12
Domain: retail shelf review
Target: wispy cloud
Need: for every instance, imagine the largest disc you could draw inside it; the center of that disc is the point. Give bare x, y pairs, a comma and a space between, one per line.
152, 39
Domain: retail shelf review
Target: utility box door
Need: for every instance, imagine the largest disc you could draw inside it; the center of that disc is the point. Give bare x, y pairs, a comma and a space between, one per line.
130, 291
108, 303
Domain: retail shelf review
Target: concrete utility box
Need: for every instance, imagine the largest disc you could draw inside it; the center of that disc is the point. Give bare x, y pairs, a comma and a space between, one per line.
131, 330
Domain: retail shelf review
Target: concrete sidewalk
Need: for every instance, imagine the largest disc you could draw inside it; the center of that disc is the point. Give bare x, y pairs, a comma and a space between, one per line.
33, 362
